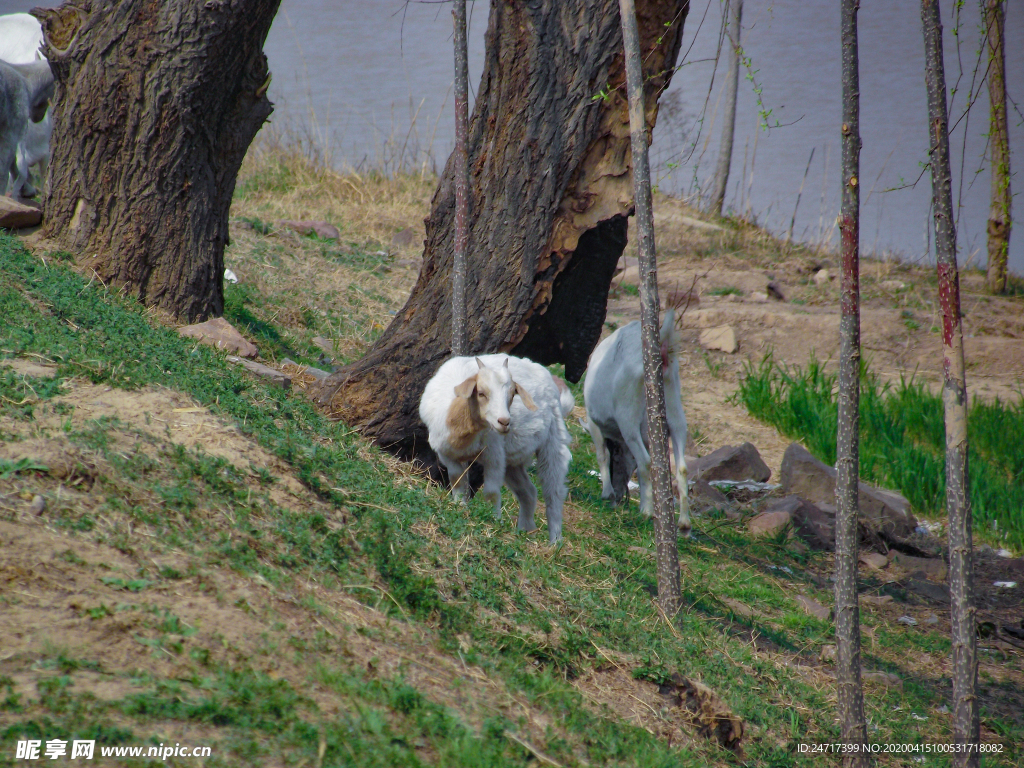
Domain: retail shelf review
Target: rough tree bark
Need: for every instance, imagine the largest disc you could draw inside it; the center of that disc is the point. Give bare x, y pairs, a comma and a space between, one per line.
665, 534
734, 9
999, 219
157, 103
847, 612
954, 398
550, 182
460, 342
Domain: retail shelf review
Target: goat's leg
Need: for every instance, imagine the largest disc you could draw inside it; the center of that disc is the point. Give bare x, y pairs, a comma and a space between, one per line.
458, 478
493, 460
678, 445
553, 466
604, 460
519, 481
643, 470
622, 468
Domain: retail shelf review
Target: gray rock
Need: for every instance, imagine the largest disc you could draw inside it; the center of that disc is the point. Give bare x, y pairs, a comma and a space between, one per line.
732, 462
15, 215
768, 523
703, 494
937, 593
265, 372
880, 510
403, 239
219, 333
814, 525
318, 228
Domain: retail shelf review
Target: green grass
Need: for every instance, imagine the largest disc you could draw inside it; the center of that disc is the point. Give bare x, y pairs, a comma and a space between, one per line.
902, 439
534, 620
727, 291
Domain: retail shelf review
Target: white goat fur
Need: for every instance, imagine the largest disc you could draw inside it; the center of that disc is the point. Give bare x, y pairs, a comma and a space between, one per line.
20, 39
617, 409
472, 414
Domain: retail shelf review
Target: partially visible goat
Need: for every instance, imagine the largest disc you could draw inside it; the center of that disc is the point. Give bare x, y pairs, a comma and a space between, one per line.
25, 91
617, 414
472, 414
21, 36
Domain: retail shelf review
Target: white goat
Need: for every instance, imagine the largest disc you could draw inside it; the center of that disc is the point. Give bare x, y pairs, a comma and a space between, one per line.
21, 36
471, 415
25, 91
617, 414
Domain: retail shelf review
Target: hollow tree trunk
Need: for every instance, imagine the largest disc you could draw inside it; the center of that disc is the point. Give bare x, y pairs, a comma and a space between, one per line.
157, 103
954, 398
549, 157
999, 219
850, 697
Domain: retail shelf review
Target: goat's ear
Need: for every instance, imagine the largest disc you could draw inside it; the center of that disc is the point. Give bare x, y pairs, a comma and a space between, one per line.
466, 388
506, 363
527, 400
479, 363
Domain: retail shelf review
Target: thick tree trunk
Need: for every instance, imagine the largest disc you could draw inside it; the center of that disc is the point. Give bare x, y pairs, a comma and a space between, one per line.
999, 220
847, 611
666, 535
156, 106
735, 12
954, 397
460, 342
550, 183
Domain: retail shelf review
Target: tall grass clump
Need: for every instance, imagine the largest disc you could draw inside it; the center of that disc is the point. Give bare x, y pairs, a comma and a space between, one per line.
902, 438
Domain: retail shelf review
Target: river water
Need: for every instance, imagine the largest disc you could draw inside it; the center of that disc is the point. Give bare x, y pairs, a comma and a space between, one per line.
368, 82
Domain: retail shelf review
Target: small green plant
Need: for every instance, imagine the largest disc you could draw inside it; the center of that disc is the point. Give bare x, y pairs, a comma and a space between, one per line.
907, 318
714, 366
728, 290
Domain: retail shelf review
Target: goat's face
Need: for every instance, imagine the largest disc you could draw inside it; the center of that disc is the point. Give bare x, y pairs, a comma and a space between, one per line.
490, 392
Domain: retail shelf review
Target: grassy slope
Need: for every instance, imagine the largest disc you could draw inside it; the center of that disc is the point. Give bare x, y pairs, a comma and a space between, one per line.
568, 636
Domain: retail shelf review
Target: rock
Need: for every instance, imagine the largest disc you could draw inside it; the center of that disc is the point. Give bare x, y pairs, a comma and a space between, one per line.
740, 609
318, 228
887, 679
15, 215
219, 333
828, 653
38, 505
813, 607
880, 510
910, 621
774, 290
938, 593
892, 285
706, 495
625, 262
875, 599
758, 298
722, 338
925, 567
325, 345
814, 525
731, 462
930, 618
822, 276
768, 523
403, 239
264, 372
874, 560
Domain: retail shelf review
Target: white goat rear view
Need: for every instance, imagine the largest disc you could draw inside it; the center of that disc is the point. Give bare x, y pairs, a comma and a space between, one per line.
21, 36
617, 414
472, 414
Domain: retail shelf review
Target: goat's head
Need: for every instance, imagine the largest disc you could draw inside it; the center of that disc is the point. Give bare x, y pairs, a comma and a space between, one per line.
490, 392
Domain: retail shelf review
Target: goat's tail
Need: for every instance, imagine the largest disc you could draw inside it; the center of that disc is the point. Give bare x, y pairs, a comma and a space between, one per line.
669, 336
565, 399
